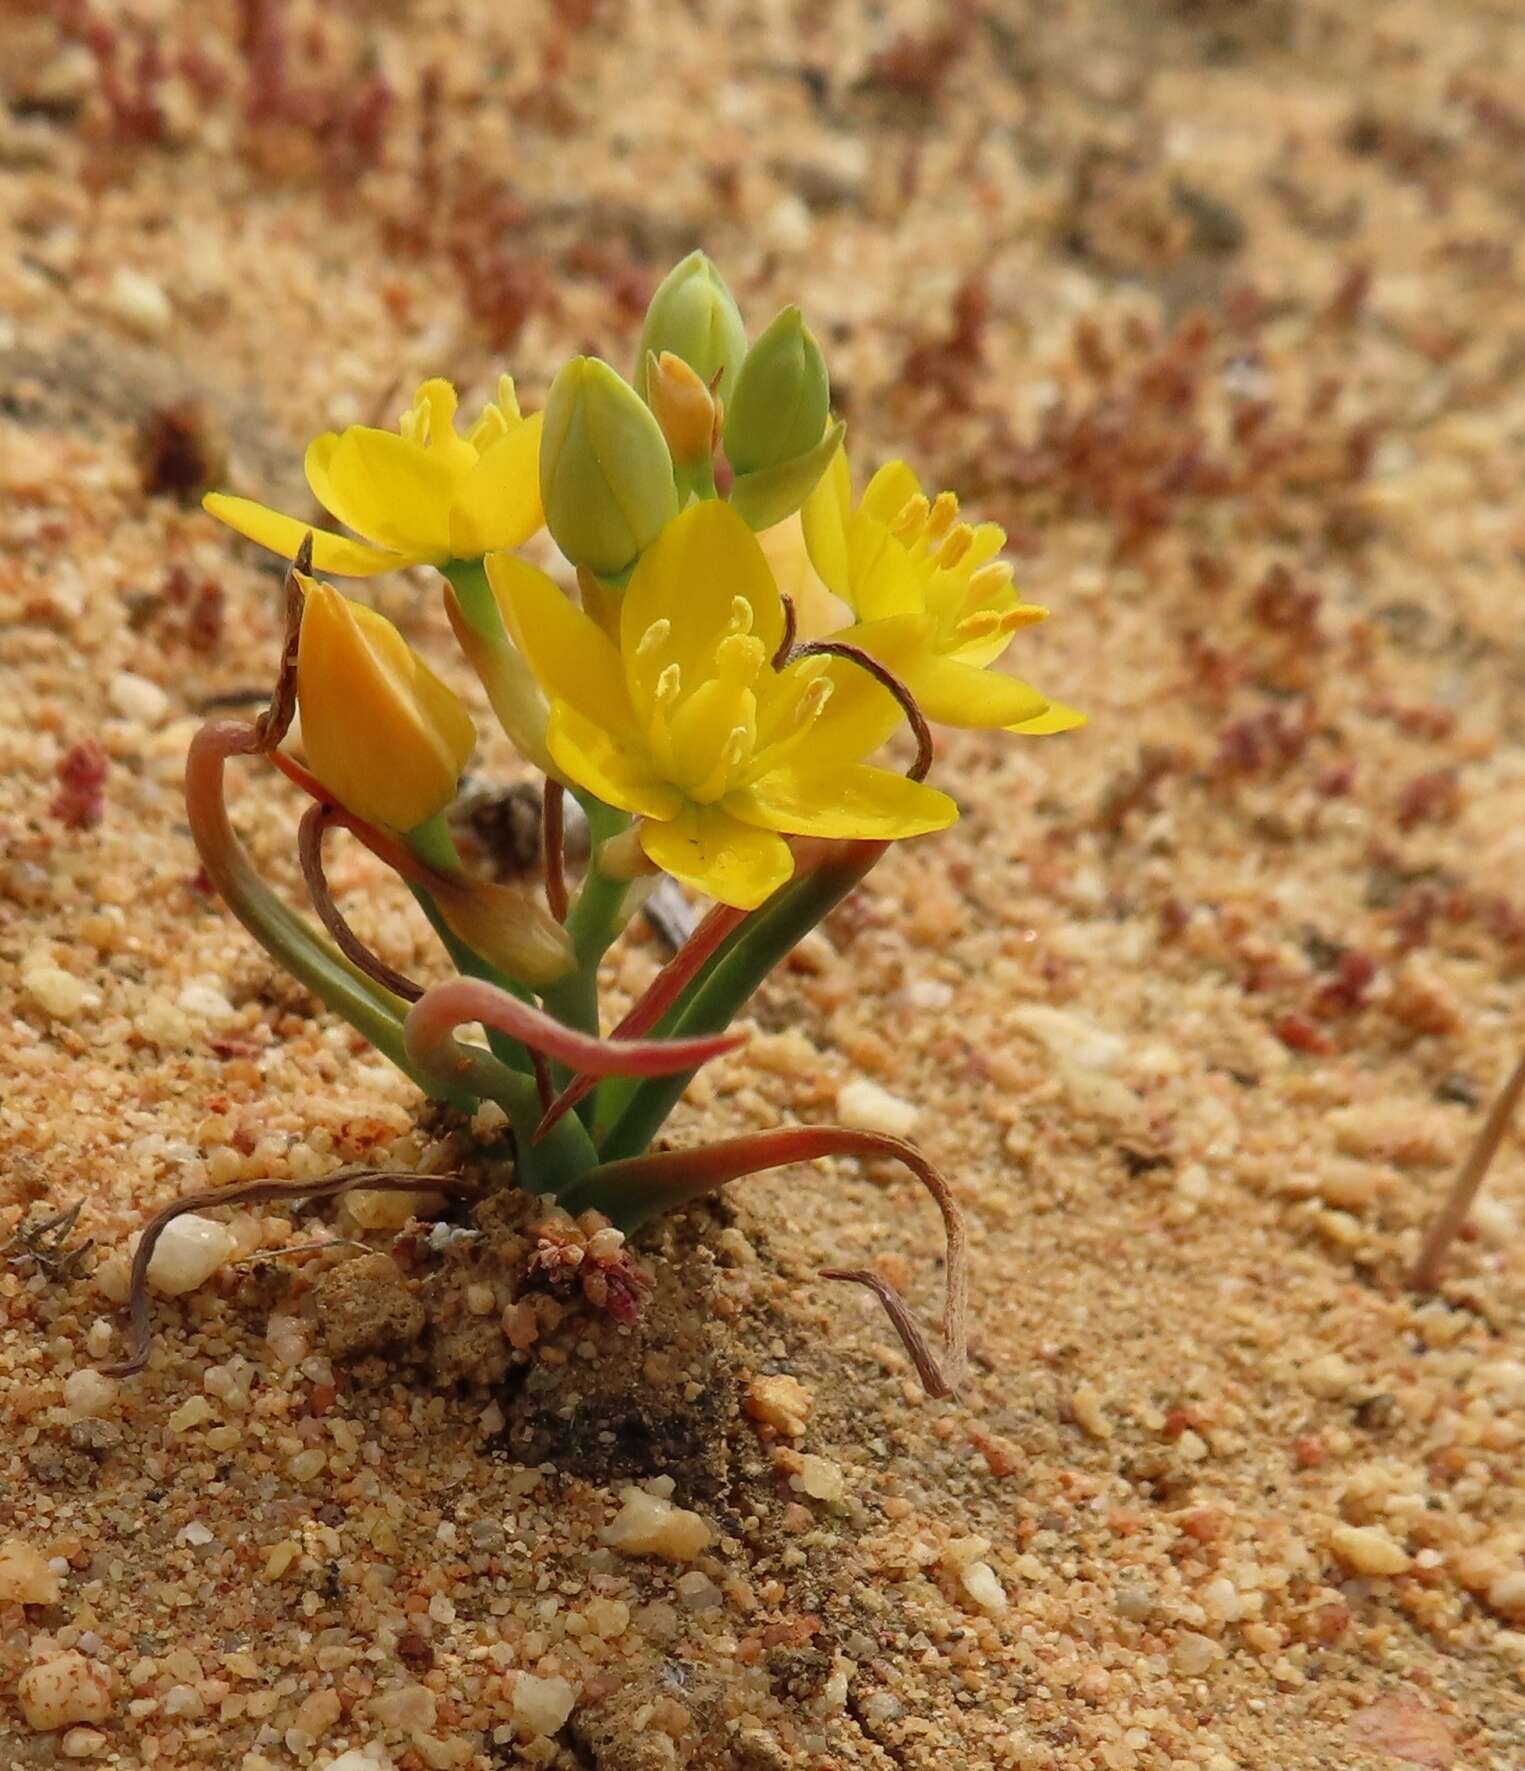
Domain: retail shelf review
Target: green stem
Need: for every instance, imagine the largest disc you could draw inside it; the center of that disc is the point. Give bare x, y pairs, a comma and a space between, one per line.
634, 1113
592, 922
284, 935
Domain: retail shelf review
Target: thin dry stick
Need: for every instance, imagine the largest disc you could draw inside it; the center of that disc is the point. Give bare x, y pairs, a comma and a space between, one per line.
791, 628
254, 1193
883, 675
310, 832
553, 841
670, 1177
1469, 1178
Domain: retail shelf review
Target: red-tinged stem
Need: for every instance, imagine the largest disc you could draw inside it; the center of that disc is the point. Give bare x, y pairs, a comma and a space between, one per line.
663, 991
432, 1021
315, 821
1469, 1178
255, 1193
553, 841
639, 1187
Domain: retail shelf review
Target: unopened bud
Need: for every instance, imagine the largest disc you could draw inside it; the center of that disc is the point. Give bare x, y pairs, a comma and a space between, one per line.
694, 316
380, 730
766, 497
782, 397
606, 475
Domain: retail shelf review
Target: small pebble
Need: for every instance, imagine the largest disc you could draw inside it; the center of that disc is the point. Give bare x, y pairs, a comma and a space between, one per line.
88, 1395
25, 1577
55, 991
865, 1106
541, 1706
136, 698
1367, 1549
139, 303
820, 1478
189, 1252
649, 1526
65, 1689
780, 1402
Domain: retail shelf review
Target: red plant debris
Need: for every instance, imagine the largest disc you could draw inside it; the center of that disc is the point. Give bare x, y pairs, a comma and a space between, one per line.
80, 801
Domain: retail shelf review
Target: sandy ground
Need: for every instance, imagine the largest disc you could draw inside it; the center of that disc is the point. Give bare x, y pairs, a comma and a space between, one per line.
1217, 308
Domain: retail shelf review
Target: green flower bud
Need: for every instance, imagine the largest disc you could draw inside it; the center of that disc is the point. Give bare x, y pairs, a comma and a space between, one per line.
782, 396
694, 316
767, 496
606, 475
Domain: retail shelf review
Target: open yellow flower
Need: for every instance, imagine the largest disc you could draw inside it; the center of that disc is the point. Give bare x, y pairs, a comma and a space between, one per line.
685, 722
933, 601
419, 495
381, 732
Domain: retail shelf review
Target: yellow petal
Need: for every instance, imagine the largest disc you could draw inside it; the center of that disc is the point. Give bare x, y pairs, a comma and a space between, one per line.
705, 577
857, 718
1055, 718
824, 516
571, 658
706, 848
618, 774
888, 492
284, 535
859, 802
956, 694
497, 504
382, 733
883, 577
392, 490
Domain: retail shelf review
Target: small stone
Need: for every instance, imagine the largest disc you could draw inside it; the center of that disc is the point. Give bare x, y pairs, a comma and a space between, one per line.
55, 991
136, 698
541, 1706
1193, 1654
82, 1743
205, 1002
646, 1525
88, 1395
820, 1478
408, 1708
183, 1700
189, 1252
698, 1592
139, 303
608, 1618
1367, 1549
983, 1588
1400, 1725
780, 1402
370, 1209
65, 1689
1507, 1594
1328, 1376
195, 1411
25, 1577
1085, 1405
865, 1106
317, 1713
369, 1758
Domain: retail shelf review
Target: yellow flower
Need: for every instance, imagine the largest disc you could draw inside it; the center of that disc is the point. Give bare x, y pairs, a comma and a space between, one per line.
685, 722
421, 494
380, 730
932, 600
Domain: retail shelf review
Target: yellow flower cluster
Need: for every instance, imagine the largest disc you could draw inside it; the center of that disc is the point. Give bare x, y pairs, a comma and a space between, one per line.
672, 691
